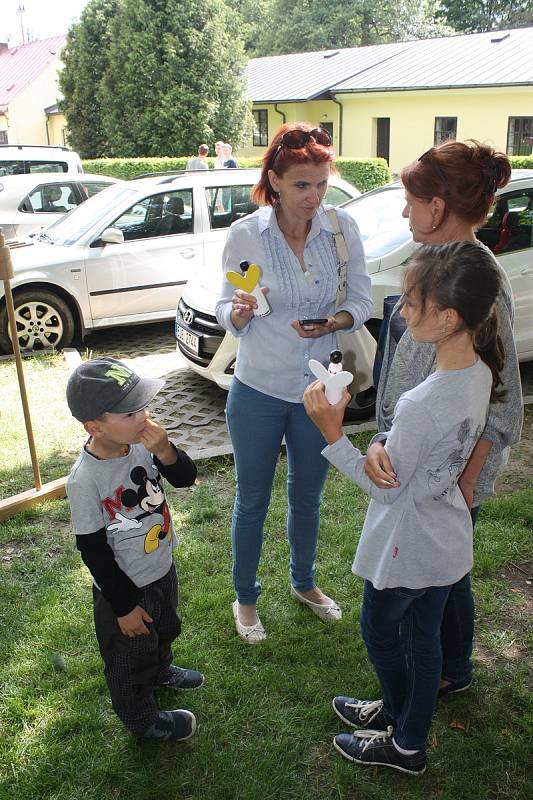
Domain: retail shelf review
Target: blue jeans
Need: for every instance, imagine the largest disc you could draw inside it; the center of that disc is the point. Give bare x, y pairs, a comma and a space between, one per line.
457, 629
257, 424
401, 631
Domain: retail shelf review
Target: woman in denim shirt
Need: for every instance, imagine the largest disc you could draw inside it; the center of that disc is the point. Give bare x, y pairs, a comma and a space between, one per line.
291, 239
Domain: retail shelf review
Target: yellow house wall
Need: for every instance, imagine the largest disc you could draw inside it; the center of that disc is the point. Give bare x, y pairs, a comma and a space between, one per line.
27, 120
57, 132
315, 112
481, 114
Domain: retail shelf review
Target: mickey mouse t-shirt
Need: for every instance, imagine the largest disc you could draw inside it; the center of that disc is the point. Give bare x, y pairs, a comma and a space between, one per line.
125, 496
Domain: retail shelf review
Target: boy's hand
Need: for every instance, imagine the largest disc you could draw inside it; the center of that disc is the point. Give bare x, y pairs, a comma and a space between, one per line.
133, 623
155, 439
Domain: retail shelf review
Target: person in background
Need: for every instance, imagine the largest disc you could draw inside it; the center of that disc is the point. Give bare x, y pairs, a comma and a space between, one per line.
291, 238
229, 161
449, 191
125, 536
199, 161
219, 160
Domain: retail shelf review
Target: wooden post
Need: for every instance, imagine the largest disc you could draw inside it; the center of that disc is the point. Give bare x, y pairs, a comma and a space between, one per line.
56, 488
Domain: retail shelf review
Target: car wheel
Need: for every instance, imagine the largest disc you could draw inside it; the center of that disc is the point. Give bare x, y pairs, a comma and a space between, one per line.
43, 321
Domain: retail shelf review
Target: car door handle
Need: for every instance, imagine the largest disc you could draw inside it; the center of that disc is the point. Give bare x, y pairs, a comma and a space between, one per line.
187, 253
526, 271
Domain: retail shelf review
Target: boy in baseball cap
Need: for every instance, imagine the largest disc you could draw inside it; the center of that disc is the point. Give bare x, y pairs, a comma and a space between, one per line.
125, 536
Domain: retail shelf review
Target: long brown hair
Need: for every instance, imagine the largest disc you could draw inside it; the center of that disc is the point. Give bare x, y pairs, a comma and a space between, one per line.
464, 174
313, 153
465, 277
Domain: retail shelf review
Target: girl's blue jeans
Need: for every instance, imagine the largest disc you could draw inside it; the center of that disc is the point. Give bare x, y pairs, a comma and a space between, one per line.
401, 631
257, 424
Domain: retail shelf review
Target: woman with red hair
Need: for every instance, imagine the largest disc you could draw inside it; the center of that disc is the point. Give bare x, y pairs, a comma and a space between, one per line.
449, 192
291, 239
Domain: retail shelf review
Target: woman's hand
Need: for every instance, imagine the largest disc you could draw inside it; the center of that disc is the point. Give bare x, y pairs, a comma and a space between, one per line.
314, 331
242, 307
326, 417
378, 467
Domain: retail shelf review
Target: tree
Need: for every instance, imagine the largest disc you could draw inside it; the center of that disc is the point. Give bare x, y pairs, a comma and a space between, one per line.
476, 16
347, 23
85, 58
171, 78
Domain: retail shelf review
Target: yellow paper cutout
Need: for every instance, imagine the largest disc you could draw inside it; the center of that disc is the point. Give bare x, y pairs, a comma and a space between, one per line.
246, 282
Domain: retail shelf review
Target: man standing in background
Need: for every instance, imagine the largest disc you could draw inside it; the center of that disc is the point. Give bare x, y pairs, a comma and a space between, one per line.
199, 161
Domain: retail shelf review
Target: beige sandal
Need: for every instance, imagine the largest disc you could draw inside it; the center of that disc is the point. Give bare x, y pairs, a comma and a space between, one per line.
250, 633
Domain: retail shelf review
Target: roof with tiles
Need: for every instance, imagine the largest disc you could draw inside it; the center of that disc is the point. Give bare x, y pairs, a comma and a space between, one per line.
19, 66
503, 58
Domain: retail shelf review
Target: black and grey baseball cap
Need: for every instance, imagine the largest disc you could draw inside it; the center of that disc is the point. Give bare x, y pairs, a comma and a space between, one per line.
106, 384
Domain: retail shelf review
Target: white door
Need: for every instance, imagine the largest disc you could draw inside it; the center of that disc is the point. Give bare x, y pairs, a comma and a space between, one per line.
143, 278
225, 203
515, 253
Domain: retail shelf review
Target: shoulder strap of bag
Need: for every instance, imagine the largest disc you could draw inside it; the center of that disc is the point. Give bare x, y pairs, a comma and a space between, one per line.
342, 254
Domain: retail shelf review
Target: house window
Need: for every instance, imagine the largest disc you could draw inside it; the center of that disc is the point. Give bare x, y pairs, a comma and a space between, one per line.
260, 128
445, 128
3, 137
520, 136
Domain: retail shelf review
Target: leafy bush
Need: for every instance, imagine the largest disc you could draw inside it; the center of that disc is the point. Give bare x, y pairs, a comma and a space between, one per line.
521, 162
365, 173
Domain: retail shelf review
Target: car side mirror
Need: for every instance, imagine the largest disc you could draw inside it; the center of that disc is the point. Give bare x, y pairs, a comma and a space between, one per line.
112, 236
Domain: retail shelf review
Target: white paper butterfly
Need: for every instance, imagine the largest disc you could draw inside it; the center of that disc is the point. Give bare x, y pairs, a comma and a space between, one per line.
334, 383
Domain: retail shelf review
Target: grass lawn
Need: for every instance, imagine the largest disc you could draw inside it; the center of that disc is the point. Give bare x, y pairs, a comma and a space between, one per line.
266, 722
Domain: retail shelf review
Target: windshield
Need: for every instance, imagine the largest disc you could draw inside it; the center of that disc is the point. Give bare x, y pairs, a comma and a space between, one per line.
380, 222
70, 228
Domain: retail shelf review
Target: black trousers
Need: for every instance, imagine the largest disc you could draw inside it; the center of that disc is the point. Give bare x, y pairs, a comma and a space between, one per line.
134, 666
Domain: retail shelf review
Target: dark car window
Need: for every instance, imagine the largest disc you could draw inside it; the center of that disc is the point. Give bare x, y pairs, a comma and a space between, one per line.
93, 187
21, 167
228, 203
335, 196
510, 223
158, 215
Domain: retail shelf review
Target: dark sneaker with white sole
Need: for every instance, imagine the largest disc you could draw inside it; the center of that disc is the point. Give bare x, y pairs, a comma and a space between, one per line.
454, 687
172, 726
362, 747
180, 678
367, 714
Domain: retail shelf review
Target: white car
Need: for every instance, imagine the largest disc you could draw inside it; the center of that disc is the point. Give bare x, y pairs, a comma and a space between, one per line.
30, 202
21, 159
124, 255
210, 351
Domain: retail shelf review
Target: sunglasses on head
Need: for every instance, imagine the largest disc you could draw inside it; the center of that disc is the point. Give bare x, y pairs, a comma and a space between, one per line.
298, 139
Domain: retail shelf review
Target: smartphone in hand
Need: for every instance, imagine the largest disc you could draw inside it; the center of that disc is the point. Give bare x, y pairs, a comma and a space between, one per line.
310, 323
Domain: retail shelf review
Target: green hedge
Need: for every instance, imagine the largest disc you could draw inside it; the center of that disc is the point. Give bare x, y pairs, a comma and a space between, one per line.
521, 162
365, 173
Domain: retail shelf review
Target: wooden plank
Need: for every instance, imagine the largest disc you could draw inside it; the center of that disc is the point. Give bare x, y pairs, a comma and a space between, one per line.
18, 502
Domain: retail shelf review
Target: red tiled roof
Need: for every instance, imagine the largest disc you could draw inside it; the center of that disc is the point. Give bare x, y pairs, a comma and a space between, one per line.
19, 66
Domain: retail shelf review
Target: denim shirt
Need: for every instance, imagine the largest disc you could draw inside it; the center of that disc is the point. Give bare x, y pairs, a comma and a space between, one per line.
272, 358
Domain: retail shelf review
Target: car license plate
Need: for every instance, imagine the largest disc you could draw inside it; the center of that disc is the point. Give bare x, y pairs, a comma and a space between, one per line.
189, 339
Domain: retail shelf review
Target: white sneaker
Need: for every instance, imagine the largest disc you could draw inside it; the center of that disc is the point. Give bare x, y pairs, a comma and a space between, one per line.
327, 613
250, 633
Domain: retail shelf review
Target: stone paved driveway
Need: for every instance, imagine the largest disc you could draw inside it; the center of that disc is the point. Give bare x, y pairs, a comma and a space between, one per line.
190, 408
